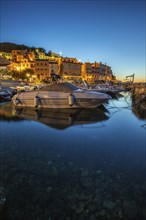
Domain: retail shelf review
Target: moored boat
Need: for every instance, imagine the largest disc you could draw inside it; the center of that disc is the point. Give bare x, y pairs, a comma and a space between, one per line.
60, 95
110, 89
5, 95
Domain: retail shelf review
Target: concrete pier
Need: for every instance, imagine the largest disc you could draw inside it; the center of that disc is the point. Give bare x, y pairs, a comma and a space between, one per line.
138, 88
138, 92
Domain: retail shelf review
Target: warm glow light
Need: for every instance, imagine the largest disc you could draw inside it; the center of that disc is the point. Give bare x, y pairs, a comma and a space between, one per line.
18, 68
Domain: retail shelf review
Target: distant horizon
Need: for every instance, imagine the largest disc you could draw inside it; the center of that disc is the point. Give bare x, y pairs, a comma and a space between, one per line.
111, 32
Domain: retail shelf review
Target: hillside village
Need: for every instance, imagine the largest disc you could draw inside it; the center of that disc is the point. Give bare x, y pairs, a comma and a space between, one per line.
37, 65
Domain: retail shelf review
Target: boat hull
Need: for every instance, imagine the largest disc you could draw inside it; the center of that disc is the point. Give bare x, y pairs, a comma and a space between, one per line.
51, 99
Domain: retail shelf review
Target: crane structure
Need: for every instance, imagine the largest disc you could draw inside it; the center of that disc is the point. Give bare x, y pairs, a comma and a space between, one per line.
131, 77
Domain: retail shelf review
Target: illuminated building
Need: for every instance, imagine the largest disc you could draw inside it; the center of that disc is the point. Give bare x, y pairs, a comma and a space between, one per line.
4, 55
43, 69
70, 69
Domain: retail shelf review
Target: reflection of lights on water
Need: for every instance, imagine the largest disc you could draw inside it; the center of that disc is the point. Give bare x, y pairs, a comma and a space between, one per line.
13, 112
95, 126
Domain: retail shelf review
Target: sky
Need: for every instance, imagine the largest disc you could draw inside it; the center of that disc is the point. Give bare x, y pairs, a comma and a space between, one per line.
107, 31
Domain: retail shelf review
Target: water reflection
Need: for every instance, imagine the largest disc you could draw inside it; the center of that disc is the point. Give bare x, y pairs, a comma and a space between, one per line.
73, 173
63, 118
7, 112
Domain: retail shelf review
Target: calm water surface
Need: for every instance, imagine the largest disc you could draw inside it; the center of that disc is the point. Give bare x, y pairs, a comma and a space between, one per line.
73, 165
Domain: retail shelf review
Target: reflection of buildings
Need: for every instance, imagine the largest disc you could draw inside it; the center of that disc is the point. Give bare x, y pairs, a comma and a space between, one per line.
7, 112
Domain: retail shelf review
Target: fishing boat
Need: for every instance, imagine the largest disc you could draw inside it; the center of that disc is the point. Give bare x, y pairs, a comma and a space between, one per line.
60, 95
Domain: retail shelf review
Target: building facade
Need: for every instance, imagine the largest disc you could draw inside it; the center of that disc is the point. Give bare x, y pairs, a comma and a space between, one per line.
4, 55
70, 69
44, 68
44, 64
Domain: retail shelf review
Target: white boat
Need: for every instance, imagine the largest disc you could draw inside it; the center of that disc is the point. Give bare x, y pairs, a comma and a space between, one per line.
60, 95
106, 87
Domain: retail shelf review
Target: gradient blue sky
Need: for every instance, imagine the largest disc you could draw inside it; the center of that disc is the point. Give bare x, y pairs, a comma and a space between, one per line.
111, 32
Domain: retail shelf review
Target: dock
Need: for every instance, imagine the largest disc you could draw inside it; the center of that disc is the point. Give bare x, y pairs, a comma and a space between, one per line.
138, 93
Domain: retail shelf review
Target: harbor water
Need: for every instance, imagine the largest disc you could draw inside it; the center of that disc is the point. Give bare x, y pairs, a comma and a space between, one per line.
73, 165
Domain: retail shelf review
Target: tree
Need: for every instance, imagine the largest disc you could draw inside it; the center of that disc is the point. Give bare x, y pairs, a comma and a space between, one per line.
41, 49
50, 53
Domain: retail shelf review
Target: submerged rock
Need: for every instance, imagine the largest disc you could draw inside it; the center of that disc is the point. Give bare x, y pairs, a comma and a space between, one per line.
130, 209
80, 208
2, 199
86, 182
109, 204
102, 212
120, 214
84, 173
49, 189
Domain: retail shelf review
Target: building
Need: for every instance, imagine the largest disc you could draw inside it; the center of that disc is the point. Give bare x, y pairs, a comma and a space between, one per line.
4, 55
4, 63
53, 67
70, 69
95, 72
109, 73
17, 55
44, 68
30, 56
21, 65
104, 71
87, 72
40, 55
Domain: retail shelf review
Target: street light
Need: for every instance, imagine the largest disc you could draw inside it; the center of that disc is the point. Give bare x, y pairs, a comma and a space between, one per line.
60, 53
28, 75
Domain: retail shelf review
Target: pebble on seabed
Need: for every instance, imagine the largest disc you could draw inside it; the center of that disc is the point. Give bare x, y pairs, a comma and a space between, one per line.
2, 199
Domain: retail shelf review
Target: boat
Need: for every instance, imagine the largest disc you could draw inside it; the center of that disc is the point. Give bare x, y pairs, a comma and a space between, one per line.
5, 95
110, 89
62, 118
60, 95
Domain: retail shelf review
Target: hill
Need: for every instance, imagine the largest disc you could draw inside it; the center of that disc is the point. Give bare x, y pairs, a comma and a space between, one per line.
8, 47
